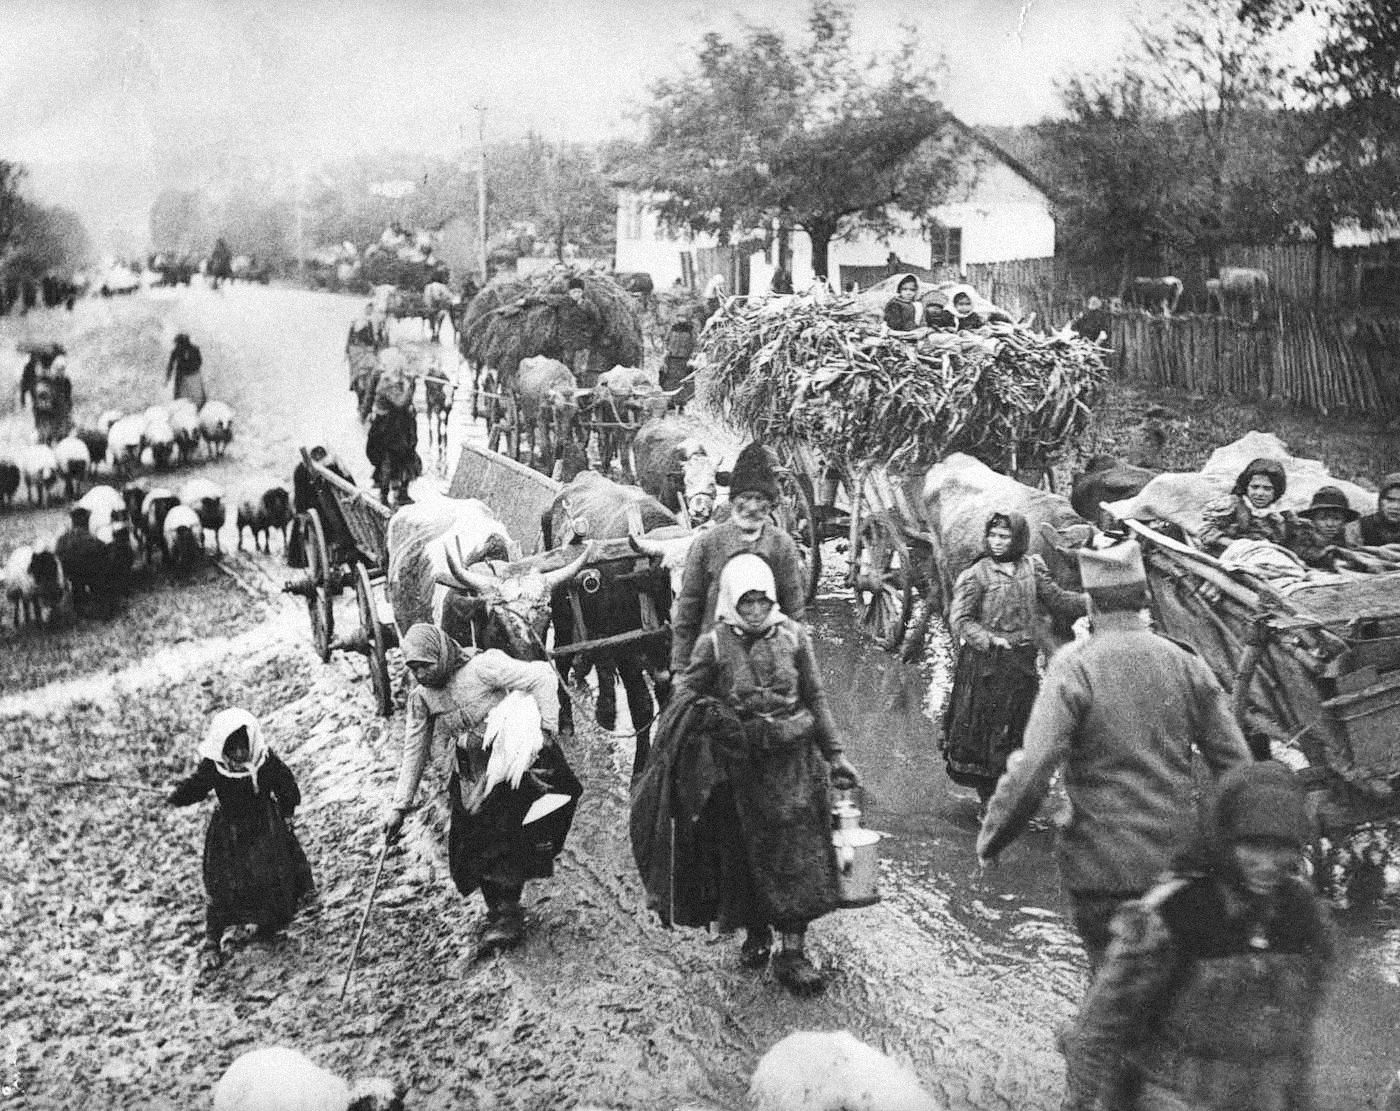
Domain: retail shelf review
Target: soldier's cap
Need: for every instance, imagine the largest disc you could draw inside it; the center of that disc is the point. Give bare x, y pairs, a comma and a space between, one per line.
1112, 568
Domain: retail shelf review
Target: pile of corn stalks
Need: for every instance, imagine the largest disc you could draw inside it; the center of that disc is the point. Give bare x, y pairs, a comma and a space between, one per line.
822, 371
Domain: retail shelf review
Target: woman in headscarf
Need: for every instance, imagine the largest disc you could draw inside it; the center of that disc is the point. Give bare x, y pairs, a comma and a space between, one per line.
992, 619
1382, 527
391, 445
1210, 994
254, 868
1250, 511
489, 843
767, 819
904, 312
185, 367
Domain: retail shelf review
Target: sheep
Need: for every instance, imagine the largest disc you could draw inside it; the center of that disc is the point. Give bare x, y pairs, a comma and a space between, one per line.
184, 423
108, 418
107, 510
272, 511
155, 508
74, 462
95, 440
274, 1078
158, 436
125, 440
207, 500
33, 580
9, 480
39, 467
216, 426
183, 537
834, 1071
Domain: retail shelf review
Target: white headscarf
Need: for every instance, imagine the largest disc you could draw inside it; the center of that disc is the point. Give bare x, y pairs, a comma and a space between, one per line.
224, 725
743, 573
956, 292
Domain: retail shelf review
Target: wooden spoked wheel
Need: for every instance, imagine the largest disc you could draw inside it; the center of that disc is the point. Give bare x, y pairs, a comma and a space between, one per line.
376, 647
320, 599
882, 576
797, 516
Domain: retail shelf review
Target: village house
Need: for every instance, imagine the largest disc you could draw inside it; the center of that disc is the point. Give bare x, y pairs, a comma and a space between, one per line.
997, 212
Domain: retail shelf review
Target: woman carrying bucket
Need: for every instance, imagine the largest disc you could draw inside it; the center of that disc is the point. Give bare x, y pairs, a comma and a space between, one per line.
731, 820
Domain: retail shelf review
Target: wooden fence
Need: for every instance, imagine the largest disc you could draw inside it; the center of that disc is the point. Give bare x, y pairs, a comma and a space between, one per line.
1325, 362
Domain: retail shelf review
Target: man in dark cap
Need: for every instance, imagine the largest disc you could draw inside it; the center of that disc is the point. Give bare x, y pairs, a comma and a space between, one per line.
1211, 991
86, 561
753, 494
1122, 712
579, 325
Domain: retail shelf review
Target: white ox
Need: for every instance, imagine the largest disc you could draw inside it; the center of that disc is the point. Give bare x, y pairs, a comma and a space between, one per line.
1239, 287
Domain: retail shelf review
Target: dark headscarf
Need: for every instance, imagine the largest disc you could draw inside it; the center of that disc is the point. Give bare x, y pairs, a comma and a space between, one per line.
1271, 469
1020, 536
424, 643
1389, 482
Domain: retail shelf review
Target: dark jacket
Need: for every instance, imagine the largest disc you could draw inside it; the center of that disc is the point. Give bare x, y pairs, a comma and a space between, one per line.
184, 359
240, 802
1200, 1008
1122, 712
904, 316
579, 324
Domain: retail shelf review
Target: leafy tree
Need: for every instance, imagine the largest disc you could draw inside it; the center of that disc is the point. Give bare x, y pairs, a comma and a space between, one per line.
1117, 174
807, 134
11, 202
560, 188
1353, 83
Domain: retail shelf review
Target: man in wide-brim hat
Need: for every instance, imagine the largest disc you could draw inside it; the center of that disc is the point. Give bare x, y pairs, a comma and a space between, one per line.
1329, 514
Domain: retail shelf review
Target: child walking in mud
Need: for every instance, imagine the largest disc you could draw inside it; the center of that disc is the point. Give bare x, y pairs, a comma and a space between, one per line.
255, 871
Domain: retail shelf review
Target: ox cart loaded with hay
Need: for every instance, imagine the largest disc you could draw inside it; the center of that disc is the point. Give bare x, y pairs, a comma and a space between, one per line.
474, 565
862, 416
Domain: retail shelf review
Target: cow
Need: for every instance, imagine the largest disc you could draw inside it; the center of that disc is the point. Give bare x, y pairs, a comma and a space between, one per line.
546, 393
620, 401
1239, 287
436, 574
674, 468
959, 494
438, 300
1154, 293
594, 507
438, 395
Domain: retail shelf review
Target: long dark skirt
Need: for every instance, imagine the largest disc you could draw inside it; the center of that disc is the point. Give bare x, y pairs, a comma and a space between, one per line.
992, 697
256, 871
765, 838
191, 386
491, 843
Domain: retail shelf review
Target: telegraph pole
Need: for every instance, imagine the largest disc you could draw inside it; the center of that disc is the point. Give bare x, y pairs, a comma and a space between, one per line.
481, 188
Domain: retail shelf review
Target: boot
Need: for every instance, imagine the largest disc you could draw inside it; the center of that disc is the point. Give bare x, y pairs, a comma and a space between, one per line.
505, 928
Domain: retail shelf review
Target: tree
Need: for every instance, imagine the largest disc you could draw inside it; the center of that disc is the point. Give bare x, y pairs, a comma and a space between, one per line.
1116, 172
11, 202
559, 188
1219, 75
807, 135
181, 222
1353, 83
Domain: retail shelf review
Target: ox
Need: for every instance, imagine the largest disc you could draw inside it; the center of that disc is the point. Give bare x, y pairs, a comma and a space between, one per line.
622, 398
438, 300
432, 547
1238, 287
1154, 293
546, 393
597, 508
674, 468
1107, 478
958, 495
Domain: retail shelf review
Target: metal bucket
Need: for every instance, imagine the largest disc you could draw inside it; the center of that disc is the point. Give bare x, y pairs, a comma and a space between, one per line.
857, 860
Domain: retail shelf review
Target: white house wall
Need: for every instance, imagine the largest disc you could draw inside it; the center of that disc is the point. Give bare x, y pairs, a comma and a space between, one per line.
644, 244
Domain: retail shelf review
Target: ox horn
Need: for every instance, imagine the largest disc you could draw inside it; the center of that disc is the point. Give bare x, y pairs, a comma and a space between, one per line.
474, 581
646, 547
555, 579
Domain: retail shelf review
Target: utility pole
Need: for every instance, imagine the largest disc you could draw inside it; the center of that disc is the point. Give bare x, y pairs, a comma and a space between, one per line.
481, 188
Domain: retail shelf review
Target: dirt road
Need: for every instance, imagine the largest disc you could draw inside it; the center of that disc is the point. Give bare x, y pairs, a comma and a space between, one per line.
963, 975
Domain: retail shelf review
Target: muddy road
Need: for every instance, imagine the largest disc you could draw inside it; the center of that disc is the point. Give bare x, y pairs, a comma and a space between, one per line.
964, 974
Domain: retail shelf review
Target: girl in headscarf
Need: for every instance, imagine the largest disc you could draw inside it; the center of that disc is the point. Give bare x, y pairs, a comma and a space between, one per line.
992, 619
904, 312
1250, 511
488, 844
254, 868
1382, 527
768, 816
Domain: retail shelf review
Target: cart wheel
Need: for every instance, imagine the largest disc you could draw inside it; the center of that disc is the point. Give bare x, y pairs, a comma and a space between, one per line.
376, 650
883, 577
798, 518
320, 602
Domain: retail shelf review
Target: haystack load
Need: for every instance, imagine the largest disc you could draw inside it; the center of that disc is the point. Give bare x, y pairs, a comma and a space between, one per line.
515, 318
824, 371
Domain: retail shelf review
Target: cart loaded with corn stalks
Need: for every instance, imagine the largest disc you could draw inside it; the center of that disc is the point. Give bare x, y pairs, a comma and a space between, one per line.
515, 318
861, 414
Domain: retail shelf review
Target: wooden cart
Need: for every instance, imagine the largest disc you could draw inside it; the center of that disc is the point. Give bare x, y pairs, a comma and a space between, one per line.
346, 546
1313, 675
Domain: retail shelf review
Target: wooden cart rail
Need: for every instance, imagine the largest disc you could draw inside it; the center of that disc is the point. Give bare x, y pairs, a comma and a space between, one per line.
1325, 684
517, 494
364, 518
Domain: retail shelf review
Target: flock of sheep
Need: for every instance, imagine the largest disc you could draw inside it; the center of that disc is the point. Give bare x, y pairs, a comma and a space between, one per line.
160, 437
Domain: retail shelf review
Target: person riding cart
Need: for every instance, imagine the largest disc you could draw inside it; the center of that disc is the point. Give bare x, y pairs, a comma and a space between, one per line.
392, 446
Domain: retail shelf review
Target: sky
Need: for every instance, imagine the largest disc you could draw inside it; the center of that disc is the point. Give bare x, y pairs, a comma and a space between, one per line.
107, 101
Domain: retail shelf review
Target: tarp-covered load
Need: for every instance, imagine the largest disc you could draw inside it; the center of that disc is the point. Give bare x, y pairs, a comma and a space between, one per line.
824, 371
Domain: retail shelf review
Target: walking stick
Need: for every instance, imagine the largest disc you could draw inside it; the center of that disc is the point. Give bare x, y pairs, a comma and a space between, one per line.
364, 921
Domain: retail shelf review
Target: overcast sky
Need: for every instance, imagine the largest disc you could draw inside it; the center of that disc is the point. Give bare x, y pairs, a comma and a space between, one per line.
108, 100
